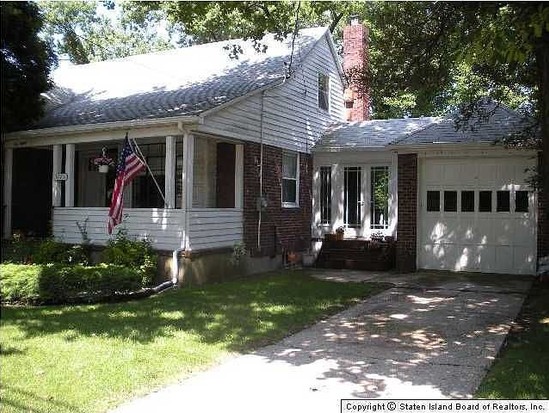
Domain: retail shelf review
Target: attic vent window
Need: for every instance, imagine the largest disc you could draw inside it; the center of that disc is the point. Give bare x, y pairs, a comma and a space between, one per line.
323, 91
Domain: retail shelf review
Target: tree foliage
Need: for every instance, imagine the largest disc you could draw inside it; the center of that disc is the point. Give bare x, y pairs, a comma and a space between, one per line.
26, 64
82, 31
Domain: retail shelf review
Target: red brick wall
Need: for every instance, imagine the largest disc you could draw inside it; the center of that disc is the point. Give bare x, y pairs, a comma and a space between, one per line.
281, 228
355, 48
407, 213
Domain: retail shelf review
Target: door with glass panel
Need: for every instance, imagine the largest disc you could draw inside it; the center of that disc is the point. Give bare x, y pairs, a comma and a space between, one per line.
353, 200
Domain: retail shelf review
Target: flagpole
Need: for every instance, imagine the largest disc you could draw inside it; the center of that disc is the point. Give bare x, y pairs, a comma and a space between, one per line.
149, 169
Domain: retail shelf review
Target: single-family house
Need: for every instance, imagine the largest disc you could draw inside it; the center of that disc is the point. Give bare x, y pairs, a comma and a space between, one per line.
270, 150
228, 140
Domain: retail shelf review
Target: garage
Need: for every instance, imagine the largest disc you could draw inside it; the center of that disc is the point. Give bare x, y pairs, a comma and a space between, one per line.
476, 212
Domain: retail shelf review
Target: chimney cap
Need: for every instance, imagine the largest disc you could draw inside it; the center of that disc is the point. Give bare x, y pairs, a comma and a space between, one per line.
354, 20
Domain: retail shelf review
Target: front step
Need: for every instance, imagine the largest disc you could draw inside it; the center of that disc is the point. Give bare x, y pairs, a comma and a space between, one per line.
357, 255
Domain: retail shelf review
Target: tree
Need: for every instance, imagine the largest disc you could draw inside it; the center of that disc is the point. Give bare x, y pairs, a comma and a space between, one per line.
26, 63
82, 31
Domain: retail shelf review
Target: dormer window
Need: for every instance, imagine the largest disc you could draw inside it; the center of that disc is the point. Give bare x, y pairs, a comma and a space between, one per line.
323, 91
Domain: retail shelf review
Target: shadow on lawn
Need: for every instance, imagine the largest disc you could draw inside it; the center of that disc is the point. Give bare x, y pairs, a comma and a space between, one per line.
17, 399
242, 313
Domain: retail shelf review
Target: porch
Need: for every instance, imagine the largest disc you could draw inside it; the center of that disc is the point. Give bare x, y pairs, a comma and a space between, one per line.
190, 197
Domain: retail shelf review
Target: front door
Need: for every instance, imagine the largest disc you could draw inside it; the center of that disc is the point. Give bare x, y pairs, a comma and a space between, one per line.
353, 201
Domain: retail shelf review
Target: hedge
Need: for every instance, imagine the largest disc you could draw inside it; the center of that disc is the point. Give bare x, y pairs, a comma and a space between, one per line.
56, 283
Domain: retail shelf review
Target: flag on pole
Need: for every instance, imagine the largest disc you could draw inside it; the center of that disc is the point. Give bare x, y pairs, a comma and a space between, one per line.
129, 165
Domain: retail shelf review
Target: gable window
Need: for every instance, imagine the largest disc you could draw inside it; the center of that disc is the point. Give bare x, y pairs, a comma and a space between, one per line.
290, 179
379, 211
325, 194
323, 91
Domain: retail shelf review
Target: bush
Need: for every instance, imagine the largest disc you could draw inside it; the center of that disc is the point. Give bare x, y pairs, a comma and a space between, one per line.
53, 252
54, 283
134, 254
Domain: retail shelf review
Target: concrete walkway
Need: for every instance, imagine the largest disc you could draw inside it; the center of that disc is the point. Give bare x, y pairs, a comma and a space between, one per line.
433, 335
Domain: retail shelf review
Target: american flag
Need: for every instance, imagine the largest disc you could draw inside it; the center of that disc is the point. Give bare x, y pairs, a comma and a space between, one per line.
129, 165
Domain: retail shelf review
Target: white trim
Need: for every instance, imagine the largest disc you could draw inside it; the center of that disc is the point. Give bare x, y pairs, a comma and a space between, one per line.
169, 172
7, 192
187, 195
296, 203
239, 176
56, 189
70, 151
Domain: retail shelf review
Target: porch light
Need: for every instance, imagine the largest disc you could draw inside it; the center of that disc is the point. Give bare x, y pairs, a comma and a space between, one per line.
103, 162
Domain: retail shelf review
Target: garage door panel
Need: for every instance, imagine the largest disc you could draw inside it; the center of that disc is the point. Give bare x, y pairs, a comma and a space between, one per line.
495, 241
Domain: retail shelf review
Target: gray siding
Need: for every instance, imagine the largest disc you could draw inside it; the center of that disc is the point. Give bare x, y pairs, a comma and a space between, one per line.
292, 118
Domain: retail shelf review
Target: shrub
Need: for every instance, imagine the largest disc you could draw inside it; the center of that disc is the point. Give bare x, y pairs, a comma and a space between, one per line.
55, 283
53, 252
135, 254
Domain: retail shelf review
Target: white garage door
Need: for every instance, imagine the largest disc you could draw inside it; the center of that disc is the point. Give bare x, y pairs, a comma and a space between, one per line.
476, 214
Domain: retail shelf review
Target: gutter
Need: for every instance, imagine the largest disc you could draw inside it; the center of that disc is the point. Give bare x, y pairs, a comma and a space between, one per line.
107, 126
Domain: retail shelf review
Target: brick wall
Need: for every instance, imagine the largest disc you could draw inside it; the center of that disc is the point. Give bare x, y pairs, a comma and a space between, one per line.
355, 49
281, 228
407, 213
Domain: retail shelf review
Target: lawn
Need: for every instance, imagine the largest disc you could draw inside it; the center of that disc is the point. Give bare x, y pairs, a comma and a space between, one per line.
90, 358
521, 370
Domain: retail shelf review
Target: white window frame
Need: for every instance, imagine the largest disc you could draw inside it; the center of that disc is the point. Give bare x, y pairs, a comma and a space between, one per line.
286, 204
327, 92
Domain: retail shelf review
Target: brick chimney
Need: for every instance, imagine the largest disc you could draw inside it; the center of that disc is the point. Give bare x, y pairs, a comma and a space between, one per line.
355, 54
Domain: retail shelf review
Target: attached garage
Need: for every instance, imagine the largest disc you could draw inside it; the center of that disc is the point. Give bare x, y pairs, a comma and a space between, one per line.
477, 212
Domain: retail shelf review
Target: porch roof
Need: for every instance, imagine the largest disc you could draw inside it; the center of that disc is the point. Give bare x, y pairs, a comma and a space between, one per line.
172, 83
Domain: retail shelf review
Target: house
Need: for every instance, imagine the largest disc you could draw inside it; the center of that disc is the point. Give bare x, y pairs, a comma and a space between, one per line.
272, 151
228, 140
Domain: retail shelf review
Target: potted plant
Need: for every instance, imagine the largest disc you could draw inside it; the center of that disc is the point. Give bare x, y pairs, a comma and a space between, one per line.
103, 162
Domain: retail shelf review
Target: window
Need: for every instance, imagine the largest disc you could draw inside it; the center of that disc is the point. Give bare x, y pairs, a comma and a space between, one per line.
503, 201
325, 194
450, 201
323, 91
485, 201
521, 201
352, 198
145, 193
379, 211
433, 201
290, 178
467, 201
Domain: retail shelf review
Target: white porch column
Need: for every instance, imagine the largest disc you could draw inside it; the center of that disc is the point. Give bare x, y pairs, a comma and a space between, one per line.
169, 182
238, 176
8, 178
56, 169
70, 151
187, 195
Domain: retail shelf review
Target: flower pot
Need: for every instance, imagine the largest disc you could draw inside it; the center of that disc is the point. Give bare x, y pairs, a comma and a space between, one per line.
103, 169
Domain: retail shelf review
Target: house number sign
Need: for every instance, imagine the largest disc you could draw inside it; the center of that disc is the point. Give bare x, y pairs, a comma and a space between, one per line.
61, 177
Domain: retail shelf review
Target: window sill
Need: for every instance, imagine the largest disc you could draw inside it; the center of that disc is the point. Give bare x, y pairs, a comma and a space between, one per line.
288, 205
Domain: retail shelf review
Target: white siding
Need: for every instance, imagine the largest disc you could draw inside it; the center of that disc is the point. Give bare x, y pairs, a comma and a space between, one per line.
292, 118
163, 227
214, 228
208, 228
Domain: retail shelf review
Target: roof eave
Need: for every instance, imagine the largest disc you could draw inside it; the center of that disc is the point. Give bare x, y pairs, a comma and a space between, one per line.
106, 126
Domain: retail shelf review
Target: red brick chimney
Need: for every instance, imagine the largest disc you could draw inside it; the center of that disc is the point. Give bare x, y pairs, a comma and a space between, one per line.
355, 54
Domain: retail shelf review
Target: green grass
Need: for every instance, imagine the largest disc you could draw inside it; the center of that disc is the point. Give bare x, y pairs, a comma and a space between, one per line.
521, 370
90, 358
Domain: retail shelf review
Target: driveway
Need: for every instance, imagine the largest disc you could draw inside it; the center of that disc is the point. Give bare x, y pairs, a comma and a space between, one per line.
433, 335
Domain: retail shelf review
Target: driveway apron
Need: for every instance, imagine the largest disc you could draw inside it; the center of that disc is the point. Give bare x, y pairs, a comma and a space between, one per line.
434, 335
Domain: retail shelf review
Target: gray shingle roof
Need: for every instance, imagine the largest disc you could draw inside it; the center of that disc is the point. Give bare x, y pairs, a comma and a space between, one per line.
369, 134
178, 82
495, 122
